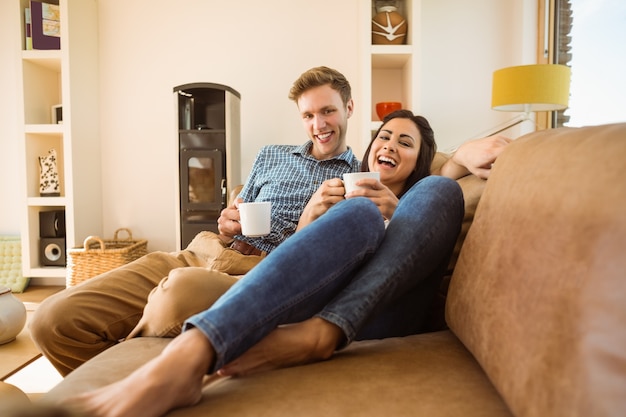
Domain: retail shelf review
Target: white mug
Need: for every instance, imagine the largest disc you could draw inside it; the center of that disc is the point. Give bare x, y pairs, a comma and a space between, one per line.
255, 218
351, 178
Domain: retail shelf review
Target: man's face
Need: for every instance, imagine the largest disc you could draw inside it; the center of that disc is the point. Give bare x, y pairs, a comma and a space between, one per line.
326, 120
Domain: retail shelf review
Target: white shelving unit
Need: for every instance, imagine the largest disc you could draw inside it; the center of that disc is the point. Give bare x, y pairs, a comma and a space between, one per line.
390, 72
69, 77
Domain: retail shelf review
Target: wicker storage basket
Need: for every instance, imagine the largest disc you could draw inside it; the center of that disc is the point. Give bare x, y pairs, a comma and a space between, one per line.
98, 256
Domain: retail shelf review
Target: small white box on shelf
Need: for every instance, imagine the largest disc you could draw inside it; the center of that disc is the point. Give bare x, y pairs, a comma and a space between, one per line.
57, 114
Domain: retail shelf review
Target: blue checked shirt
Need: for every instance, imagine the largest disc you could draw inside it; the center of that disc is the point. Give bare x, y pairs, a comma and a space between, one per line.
287, 175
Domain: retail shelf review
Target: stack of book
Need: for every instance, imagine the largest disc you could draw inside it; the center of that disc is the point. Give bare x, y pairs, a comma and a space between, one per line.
42, 26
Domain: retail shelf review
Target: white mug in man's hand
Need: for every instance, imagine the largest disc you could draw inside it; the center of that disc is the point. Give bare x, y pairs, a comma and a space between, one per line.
255, 218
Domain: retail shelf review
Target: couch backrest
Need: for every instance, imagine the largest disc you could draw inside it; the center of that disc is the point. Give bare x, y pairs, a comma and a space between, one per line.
539, 291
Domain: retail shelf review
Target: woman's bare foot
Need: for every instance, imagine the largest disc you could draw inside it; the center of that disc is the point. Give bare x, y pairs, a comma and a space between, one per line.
171, 380
297, 344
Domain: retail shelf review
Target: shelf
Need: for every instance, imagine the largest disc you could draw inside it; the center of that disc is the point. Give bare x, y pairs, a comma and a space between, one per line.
44, 129
376, 124
47, 201
45, 83
47, 272
390, 57
392, 71
48, 59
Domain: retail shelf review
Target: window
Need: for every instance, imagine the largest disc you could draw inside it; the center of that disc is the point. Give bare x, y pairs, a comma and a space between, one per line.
589, 37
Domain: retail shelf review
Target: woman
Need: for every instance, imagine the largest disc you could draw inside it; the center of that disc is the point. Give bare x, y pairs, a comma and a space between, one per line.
344, 270
403, 308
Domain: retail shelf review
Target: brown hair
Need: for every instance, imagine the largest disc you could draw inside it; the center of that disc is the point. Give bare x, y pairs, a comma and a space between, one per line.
319, 76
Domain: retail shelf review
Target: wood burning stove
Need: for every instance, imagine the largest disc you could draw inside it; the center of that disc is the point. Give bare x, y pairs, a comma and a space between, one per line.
208, 139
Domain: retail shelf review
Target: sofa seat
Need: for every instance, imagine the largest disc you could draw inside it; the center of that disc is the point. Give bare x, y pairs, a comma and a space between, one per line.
430, 374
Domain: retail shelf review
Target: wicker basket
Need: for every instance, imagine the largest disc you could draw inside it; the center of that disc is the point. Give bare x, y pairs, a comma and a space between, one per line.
98, 256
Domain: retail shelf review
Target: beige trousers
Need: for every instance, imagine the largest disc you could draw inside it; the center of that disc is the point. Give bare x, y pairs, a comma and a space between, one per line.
79, 322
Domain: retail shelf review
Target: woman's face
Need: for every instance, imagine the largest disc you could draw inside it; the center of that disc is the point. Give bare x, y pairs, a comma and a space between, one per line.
394, 152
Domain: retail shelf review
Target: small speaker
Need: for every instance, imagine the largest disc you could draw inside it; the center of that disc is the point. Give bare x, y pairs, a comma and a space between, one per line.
52, 251
52, 223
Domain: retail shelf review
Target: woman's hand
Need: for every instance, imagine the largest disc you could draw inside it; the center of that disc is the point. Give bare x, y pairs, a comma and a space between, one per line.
330, 193
475, 157
380, 194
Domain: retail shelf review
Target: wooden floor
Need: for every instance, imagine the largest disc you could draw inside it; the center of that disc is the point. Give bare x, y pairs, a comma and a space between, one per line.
33, 295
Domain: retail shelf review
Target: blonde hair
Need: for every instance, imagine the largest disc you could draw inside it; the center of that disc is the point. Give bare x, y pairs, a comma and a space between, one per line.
319, 76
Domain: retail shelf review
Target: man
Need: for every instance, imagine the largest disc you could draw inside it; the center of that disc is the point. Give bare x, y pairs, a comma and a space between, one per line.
82, 321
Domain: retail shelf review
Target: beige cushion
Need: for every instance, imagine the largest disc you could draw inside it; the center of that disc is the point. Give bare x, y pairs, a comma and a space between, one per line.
538, 294
423, 375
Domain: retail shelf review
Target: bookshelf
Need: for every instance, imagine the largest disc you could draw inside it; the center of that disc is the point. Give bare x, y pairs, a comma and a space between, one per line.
390, 72
67, 76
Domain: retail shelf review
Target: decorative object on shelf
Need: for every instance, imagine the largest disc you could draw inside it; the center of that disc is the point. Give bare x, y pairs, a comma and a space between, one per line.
98, 256
12, 316
57, 114
45, 23
28, 35
385, 107
388, 26
529, 88
49, 175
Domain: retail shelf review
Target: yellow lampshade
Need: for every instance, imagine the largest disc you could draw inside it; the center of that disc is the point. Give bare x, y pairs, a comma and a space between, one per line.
526, 88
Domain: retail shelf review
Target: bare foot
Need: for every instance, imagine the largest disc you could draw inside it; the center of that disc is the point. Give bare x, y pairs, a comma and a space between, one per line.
171, 380
297, 344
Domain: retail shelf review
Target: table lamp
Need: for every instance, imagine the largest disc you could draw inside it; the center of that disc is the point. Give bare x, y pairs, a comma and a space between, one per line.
529, 88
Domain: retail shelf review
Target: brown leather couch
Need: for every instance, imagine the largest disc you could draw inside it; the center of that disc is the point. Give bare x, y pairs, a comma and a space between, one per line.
536, 308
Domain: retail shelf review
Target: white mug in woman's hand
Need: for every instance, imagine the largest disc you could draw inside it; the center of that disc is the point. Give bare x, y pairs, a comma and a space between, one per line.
350, 179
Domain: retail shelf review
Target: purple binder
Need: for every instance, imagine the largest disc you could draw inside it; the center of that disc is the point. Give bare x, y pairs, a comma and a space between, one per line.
41, 40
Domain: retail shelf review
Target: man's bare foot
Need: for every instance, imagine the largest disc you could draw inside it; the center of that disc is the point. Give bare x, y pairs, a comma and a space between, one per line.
297, 344
171, 380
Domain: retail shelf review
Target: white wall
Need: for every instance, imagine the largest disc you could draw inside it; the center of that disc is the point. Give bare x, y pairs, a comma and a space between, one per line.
462, 44
9, 183
258, 48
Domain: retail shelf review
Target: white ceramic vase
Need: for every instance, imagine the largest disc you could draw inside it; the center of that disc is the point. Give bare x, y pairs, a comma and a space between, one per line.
49, 175
12, 315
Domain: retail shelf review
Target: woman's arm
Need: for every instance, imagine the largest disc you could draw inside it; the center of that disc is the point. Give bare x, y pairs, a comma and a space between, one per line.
475, 157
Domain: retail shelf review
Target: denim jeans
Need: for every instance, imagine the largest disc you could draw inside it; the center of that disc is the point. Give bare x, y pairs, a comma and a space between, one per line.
346, 268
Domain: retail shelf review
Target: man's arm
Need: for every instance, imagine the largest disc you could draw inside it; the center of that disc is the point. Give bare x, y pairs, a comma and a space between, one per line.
474, 157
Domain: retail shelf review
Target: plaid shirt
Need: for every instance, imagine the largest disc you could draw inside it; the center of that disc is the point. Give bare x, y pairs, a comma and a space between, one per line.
288, 175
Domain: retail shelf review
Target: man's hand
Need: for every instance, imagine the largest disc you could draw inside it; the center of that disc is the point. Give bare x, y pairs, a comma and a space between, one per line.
475, 156
228, 222
330, 193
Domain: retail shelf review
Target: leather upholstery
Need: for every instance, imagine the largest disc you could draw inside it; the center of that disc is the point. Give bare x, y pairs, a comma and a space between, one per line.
539, 291
424, 375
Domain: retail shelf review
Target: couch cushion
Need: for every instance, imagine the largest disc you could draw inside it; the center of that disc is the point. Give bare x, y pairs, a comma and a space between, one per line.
424, 375
538, 294
472, 188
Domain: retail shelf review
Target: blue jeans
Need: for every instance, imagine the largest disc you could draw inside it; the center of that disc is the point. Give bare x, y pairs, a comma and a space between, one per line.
345, 268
